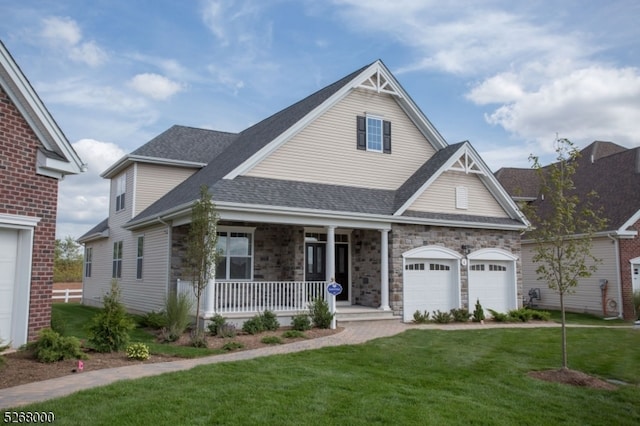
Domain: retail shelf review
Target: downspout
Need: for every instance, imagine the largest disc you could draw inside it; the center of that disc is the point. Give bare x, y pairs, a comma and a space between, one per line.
168, 271
618, 276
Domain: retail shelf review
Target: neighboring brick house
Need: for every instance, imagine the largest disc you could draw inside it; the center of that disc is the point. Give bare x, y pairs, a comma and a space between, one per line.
34, 156
613, 172
353, 183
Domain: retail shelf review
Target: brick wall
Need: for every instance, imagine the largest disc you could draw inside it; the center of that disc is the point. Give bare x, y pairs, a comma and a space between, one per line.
629, 249
23, 192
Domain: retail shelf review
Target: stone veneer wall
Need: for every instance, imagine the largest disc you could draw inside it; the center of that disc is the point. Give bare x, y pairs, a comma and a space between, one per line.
278, 252
407, 237
365, 260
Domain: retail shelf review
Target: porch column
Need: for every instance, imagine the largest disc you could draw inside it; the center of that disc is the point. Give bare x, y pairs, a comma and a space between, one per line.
209, 297
331, 253
384, 270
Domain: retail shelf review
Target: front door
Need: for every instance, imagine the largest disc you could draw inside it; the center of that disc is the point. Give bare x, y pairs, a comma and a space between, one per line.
342, 270
316, 262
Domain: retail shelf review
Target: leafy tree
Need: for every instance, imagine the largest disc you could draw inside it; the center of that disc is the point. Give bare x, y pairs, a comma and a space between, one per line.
201, 254
563, 228
67, 261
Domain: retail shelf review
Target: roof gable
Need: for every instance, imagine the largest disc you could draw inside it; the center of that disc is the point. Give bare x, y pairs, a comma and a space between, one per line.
57, 157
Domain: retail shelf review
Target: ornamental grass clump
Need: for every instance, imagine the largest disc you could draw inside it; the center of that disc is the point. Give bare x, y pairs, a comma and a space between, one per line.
138, 351
421, 317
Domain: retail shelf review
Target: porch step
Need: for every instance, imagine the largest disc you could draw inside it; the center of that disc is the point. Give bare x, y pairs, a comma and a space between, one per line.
360, 313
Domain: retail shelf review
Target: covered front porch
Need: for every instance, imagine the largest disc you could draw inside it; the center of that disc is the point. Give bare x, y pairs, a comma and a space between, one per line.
282, 267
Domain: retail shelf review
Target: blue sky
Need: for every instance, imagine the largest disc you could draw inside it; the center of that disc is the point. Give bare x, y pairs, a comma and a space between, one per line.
507, 76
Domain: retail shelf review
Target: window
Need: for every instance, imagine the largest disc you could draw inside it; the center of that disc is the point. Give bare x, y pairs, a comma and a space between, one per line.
121, 189
414, 267
117, 260
497, 268
438, 267
477, 267
139, 258
374, 134
88, 258
235, 258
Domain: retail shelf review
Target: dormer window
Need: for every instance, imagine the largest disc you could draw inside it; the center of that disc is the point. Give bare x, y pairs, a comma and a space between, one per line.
121, 189
374, 134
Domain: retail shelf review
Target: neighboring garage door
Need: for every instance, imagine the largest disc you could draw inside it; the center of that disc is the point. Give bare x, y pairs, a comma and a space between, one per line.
492, 280
430, 280
8, 259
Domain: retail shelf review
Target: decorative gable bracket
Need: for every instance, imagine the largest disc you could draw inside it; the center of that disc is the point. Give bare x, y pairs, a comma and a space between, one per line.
379, 83
466, 164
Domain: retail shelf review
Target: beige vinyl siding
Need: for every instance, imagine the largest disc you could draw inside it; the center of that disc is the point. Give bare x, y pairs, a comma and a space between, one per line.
587, 296
440, 196
148, 293
99, 283
325, 151
153, 181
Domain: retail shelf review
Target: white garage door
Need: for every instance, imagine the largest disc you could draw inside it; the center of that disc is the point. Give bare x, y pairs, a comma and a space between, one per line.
429, 285
8, 259
493, 284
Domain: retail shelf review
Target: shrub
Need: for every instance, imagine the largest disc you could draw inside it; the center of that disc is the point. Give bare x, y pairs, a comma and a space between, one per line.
499, 317
270, 321
154, 320
178, 311
421, 318
109, 329
636, 303
215, 322
232, 346
227, 330
198, 339
478, 313
254, 325
320, 314
442, 317
2, 348
271, 340
138, 351
460, 315
301, 322
540, 315
522, 314
52, 347
293, 334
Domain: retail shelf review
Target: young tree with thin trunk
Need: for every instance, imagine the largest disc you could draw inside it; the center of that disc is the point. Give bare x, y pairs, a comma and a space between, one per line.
563, 228
201, 253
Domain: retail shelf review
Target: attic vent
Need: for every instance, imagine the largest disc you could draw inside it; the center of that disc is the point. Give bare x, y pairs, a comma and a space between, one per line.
462, 197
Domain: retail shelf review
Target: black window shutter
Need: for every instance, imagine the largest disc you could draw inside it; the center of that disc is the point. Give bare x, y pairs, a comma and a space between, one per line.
362, 132
386, 137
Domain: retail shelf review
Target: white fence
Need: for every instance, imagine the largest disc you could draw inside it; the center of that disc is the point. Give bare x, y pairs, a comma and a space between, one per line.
259, 296
67, 294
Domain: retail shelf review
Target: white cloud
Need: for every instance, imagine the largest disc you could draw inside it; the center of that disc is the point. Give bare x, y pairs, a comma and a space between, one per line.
64, 33
83, 200
155, 86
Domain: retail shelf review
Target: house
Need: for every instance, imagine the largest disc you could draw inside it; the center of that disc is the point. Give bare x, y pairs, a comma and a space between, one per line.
352, 183
613, 172
34, 156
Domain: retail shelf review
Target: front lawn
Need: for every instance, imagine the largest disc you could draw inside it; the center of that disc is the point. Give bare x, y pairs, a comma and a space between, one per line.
418, 377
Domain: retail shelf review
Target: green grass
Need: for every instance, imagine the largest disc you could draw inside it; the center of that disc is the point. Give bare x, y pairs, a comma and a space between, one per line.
418, 377
587, 319
77, 317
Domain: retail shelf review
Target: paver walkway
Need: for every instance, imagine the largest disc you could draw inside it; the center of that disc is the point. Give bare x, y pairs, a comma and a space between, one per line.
353, 333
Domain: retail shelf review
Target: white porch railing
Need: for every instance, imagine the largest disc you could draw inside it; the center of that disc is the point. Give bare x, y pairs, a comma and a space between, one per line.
259, 296
67, 294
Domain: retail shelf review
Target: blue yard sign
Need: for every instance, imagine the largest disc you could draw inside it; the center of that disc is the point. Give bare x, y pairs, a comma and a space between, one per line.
334, 288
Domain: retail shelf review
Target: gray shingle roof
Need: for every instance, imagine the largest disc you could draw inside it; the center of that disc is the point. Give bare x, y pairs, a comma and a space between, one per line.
98, 229
614, 174
187, 144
